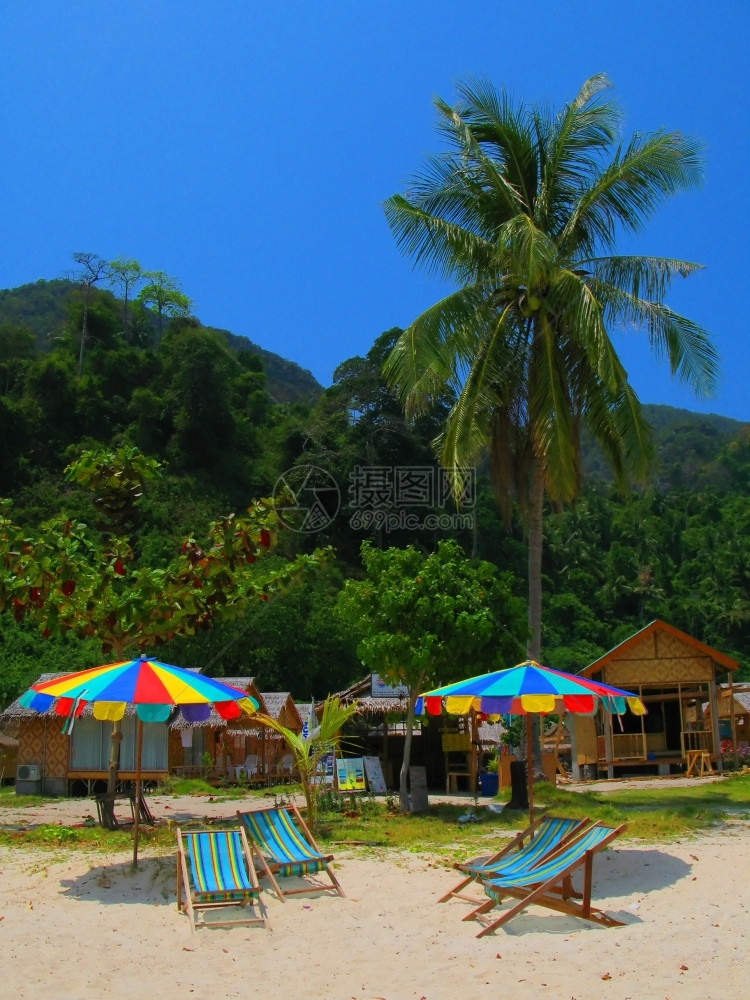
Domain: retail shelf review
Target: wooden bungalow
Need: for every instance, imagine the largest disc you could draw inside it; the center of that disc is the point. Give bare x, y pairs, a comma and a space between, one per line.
8, 758
734, 713
276, 758
451, 748
674, 675
55, 763
215, 748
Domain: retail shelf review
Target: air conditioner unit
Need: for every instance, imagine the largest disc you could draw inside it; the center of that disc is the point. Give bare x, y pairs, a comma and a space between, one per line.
28, 772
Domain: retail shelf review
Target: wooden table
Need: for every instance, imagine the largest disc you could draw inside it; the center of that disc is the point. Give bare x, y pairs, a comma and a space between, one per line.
451, 780
105, 805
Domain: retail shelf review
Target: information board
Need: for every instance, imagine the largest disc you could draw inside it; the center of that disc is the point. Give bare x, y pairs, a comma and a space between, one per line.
350, 774
324, 771
374, 774
382, 689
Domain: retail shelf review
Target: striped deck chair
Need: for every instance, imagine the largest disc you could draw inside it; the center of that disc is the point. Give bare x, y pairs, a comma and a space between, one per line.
284, 846
548, 832
215, 869
548, 882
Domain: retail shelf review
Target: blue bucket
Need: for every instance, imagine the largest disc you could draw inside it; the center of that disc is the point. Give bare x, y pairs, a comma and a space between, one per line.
488, 785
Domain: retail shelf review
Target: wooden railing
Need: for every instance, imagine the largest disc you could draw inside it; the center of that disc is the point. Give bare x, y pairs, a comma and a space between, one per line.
625, 746
698, 739
628, 745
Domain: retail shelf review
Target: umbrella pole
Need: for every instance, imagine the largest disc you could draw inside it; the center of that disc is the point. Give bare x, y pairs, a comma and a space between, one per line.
529, 768
137, 806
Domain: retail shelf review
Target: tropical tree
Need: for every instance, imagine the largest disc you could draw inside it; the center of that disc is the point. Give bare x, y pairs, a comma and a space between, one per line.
71, 579
92, 269
427, 619
164, 294
308, 752
125, 274
522, 212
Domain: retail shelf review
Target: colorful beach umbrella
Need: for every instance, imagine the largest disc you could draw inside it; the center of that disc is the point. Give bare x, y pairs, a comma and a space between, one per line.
526, 689
153, 687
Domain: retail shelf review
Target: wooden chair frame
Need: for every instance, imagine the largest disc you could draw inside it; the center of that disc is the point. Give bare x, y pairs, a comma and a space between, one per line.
234, 895
545, 836
292, 855
549, 883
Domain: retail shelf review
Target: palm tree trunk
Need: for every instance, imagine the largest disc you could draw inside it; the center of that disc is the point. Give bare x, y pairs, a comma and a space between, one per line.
534, 644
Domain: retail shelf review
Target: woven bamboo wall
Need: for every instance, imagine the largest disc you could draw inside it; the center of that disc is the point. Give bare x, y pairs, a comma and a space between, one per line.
51, 750
660, 660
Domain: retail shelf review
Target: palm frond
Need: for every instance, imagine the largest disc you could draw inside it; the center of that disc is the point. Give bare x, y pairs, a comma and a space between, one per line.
491, 378
528, 253
687, 346
440, 246
643, 277
576, 309
631, 187
573, 146
502, 127
437, 348
551, 414
477, 170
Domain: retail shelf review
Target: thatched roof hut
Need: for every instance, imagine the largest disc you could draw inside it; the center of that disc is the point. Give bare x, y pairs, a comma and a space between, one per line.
674, 674
281, 707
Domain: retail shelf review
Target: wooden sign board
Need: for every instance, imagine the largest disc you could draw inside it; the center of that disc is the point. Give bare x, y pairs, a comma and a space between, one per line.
374, 773
350, 774
418, 784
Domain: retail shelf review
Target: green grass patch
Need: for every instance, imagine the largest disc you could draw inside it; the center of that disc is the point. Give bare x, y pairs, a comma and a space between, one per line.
9, 799
363, 824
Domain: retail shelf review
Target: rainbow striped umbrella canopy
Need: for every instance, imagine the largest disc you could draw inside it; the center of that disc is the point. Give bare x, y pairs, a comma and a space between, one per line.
526, 688
153, 687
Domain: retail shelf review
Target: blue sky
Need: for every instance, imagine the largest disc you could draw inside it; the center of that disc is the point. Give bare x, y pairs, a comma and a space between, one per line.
246, 148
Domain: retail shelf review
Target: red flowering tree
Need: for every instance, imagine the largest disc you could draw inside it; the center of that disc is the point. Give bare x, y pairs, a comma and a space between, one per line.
70, 577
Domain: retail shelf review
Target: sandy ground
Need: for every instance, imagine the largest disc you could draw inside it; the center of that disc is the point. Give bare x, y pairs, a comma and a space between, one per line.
75, 926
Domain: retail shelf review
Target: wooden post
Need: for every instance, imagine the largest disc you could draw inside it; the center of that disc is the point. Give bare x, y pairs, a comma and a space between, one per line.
529, 769
137, 807
714, 703
732, 719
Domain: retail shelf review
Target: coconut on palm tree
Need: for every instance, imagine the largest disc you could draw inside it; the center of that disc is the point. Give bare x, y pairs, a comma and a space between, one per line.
522, 213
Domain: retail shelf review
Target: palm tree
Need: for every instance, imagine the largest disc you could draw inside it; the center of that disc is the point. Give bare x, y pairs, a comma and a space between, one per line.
308, 752
522, 212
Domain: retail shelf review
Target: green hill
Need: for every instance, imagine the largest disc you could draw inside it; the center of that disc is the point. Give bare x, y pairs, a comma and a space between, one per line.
42, 307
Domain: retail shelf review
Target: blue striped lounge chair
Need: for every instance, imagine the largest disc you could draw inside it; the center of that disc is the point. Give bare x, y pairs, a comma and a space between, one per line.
284, 847
548, 883
215, 869
544, 836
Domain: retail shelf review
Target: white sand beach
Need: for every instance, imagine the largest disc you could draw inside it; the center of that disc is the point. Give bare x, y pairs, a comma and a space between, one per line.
75, 926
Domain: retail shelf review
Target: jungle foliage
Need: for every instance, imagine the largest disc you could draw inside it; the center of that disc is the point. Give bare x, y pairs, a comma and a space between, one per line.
678, 549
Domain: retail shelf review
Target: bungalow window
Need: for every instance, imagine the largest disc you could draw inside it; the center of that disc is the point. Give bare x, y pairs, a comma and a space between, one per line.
90, 744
